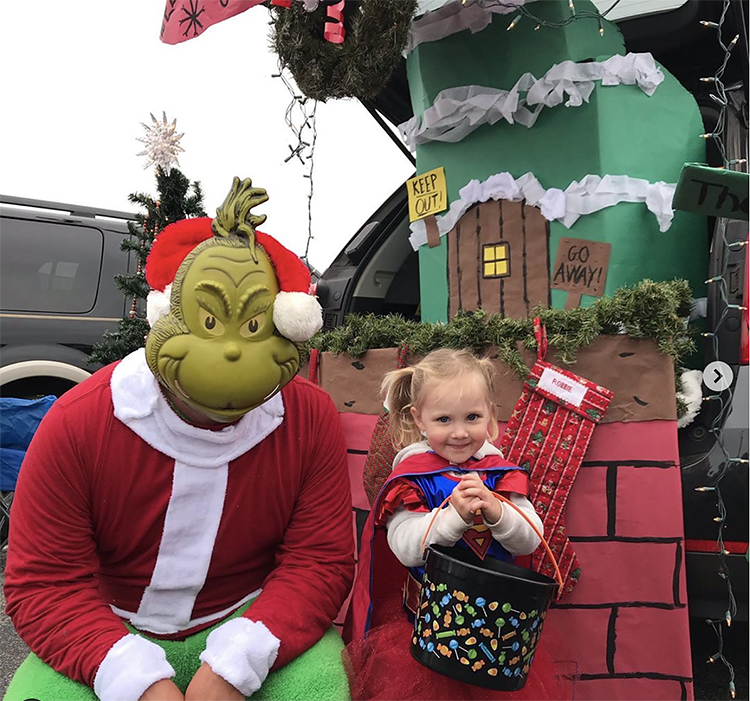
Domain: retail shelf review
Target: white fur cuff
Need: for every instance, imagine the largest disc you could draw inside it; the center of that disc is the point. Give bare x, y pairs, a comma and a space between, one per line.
297, 315
242, 652
130, 667
157, 304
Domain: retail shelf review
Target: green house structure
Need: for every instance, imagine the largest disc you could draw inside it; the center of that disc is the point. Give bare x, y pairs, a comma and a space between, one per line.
635, 130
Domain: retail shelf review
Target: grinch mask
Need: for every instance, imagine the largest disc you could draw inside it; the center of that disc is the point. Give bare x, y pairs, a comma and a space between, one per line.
219, 348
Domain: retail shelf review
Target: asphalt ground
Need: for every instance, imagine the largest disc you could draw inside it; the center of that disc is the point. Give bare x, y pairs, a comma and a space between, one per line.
12, 650
710, 679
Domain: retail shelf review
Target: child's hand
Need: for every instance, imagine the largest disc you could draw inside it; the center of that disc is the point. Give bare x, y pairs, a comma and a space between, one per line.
471, 495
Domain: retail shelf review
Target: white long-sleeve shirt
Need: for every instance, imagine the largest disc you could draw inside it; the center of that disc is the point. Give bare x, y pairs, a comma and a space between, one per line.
406, 529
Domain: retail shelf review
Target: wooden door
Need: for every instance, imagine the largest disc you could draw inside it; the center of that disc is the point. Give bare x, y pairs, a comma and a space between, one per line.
498, 260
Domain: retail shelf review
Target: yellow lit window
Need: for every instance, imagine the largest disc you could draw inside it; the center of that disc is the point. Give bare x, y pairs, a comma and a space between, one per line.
496, 260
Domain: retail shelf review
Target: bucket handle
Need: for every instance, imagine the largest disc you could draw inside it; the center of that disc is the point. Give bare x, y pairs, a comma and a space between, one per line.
558, 576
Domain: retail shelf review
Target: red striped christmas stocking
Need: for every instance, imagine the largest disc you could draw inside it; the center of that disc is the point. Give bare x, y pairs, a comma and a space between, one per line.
548, 434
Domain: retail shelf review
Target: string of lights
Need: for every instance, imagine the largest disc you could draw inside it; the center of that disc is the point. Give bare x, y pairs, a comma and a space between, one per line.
719, 96
300, 118
525, 12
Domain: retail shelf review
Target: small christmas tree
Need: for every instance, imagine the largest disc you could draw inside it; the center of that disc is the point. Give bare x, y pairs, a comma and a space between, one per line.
177, 199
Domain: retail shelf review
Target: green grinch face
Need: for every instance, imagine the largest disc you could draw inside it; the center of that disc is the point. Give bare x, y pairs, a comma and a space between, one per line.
218, 348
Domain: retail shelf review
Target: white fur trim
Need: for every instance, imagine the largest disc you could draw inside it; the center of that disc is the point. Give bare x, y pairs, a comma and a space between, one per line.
200, 620
140, 405
130, 667
242, 652
157, 304
297, 315
692, 395
187, 543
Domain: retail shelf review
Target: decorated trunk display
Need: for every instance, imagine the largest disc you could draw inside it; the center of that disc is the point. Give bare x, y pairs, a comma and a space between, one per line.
547, 158
559, 152
547, 133
623, 515
621, 526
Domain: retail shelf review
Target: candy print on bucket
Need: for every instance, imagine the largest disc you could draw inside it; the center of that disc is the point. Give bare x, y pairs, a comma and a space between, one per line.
479, 621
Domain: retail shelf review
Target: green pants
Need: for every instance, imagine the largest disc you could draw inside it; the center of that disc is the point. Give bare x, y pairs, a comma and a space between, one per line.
316, 675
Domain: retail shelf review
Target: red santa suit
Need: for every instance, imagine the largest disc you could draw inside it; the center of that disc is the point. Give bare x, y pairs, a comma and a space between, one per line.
125, 512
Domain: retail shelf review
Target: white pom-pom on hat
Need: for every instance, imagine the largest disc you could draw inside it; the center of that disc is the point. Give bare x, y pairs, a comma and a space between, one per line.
157, 304
297, 315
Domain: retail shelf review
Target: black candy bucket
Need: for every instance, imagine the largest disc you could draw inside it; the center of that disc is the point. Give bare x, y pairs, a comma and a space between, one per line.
479, 621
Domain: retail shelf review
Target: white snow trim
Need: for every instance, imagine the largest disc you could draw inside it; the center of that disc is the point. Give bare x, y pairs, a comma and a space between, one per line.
242, 652
692, 395
130, 667
699, 309
187, 543
456, 112
591, 194
140, 405
297, 315
455, 17
157, 304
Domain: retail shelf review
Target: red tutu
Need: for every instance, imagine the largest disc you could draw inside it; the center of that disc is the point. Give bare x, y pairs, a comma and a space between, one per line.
381, 668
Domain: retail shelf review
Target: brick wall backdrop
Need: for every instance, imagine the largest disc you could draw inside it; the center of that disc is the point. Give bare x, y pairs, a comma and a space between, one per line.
627, 617
626, 622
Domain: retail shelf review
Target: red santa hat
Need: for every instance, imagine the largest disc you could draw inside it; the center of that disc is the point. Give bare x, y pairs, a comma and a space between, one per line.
296, 312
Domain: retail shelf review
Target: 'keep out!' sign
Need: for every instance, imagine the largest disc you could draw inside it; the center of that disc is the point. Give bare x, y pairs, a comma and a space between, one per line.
427, 194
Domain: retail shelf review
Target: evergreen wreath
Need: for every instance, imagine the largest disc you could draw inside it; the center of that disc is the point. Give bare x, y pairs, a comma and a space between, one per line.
376, 32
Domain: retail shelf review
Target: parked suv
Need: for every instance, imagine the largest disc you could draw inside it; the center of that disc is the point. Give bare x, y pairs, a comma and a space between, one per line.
57, 291
378, 272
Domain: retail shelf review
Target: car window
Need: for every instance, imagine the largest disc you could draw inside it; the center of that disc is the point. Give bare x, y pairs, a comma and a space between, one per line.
49, 267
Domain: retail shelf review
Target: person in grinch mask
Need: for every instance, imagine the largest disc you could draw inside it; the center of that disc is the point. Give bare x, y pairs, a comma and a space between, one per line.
182, 523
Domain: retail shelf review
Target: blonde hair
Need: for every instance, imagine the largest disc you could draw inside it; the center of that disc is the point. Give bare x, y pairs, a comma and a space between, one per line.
403, 389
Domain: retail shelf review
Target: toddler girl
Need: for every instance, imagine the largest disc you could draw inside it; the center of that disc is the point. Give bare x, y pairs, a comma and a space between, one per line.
442, 415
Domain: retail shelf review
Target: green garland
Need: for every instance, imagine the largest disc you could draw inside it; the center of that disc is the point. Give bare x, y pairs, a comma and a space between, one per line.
376, 32
648, 310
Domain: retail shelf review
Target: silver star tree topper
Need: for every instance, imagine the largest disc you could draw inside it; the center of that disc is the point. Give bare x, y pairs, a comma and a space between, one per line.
162, 143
